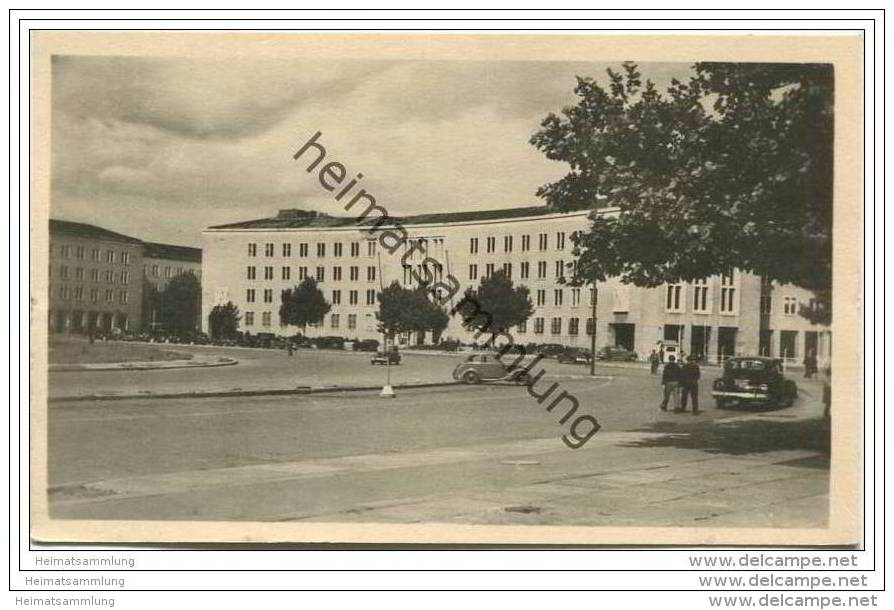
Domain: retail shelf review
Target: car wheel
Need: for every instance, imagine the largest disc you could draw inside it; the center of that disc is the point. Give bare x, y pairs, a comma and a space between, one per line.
522, 377
471, 377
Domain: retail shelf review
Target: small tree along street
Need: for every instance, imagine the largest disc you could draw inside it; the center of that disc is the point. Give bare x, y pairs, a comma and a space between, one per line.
729, 170
497, 303
403, 310
223, 321
303, 305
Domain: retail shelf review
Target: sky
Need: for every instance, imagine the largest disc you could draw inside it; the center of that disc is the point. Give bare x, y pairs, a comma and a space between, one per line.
162, 148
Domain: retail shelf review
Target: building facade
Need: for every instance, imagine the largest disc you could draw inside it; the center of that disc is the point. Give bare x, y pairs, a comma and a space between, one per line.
164, 262
94, 281
250, 263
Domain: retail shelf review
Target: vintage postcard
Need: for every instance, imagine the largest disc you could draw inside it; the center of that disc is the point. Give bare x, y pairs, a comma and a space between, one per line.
447, 288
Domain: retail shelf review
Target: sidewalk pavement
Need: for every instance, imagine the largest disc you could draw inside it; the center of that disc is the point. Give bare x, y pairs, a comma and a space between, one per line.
149, 365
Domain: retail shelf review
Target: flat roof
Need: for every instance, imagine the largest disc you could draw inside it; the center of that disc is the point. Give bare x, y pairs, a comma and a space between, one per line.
81, 229
298, 219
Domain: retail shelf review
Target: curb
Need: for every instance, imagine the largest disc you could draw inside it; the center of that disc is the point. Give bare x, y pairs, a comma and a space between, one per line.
300, 390
140, 366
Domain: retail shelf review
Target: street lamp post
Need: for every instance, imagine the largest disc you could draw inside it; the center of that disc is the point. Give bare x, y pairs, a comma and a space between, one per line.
593, 336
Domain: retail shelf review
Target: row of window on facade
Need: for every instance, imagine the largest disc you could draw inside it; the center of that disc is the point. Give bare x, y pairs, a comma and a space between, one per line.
303, 249
78, 293
490, 243
168, 272
334, 320
96, 255
79, 274
303, 272
251, 296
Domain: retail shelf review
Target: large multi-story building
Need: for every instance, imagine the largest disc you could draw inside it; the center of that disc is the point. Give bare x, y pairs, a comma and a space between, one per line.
94, 278
250, 263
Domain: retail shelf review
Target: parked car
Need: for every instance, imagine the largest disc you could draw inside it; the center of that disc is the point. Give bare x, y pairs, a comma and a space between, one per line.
485, 367
549, 350
389, 357
754, 380
366, 345
329, 342
574, 355
615, 352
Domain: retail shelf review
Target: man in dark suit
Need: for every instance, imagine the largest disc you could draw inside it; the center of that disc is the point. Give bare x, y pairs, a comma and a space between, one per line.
670, 379
689, 376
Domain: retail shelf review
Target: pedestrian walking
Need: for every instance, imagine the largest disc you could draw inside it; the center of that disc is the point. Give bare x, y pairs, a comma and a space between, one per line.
670, 379
654, 361
290, 348
810, 367
689, 376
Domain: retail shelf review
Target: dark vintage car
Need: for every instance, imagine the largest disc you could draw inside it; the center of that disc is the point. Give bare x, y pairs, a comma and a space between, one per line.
754, 380
366, 345
389, 357
574, 355
486, 367
615, 352
549, 350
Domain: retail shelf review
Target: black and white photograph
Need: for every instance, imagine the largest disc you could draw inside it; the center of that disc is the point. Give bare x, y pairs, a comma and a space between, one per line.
472, 296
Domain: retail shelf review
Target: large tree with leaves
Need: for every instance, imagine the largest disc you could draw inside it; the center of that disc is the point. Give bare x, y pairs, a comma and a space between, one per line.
730, 169
223, 321
496, 305
409, 310
180, 304
302, 305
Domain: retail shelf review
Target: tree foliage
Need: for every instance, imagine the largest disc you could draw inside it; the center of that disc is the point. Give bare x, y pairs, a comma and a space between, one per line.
302, 305
731, 169
223, 321
409, 310
496, 305
179, 304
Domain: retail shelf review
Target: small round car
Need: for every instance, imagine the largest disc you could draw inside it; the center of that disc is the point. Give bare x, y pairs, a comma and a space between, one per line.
754, 380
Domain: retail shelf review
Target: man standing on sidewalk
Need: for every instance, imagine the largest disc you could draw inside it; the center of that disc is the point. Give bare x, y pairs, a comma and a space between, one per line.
689, 376
670, 379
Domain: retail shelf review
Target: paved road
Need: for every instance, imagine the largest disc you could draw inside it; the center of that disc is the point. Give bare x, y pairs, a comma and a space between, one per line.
481, 454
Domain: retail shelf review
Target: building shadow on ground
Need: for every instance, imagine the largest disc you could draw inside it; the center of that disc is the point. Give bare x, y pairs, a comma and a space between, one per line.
743, 437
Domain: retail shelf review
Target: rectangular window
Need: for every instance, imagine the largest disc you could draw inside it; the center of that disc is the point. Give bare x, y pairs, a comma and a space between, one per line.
125, 258
701, 301
321, 250
573, 326
560, 240
321, 274
250, 295
473, 272
543, 241
110, 256
370, 297
541, 298
352, 297
558, 295
94, 275
268, 249
110, 295
336, 274
673, 301
575, 297
94, 255
555, 326
79, 253
560, 269
302, 273
333, 321
522, 327
336, 297
491, 244
63, 272
541, 270
265, 319
336, 249
122, 297
507, 243
538, 326
155, 271
66, 251
355, 248
355, 273
352, 321
302, 249
287, 249
488, 269
728, 295
94, 295
286, 273
167, 273
790, 306
268, 295
507, 269
370, 274
249, 318
268, 273
525, 270
79, 293
252, 249
370, 248
473, 245
109, 276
